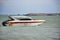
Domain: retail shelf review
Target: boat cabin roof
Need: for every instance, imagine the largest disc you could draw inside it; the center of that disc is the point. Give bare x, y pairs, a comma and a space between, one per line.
20, 17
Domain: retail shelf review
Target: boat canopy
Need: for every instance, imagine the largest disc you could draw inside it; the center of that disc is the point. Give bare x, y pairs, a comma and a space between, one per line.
20, 17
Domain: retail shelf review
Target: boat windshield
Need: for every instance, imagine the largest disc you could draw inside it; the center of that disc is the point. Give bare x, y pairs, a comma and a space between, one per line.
23, 18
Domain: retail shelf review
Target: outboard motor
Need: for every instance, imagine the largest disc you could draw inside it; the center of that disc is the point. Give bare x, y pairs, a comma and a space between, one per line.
5, 22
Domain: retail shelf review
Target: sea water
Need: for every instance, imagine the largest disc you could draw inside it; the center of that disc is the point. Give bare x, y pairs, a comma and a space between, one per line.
50, 30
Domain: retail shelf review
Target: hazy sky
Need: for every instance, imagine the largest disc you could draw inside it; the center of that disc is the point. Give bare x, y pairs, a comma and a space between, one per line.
30, 6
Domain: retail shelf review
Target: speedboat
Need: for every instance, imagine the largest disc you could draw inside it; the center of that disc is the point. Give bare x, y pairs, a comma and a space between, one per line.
22, 20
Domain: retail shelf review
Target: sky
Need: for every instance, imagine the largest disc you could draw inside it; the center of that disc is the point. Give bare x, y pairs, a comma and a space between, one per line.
29, 6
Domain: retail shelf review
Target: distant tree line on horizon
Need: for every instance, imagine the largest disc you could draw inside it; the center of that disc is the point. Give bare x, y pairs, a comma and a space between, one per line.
42, 14
36, 14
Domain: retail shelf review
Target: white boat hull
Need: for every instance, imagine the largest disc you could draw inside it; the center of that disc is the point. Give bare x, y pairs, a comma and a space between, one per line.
26, 24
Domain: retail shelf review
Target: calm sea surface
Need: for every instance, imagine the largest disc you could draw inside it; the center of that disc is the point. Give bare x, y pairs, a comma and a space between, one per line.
50, 30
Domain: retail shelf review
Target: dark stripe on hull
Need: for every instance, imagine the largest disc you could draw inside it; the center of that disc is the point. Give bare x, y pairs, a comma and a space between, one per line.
22, 22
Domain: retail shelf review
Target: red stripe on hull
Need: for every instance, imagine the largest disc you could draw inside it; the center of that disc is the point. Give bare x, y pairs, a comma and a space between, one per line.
22, 22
